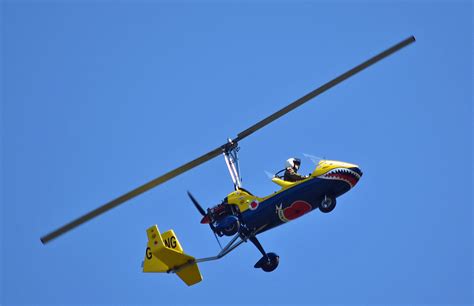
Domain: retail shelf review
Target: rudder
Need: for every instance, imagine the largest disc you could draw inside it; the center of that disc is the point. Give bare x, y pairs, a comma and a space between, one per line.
164, 253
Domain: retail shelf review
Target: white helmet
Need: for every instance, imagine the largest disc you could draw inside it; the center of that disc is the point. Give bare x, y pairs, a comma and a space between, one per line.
293, 163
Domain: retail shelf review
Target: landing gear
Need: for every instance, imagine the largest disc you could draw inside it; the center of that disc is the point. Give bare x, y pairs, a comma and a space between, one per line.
269, 261
327, 204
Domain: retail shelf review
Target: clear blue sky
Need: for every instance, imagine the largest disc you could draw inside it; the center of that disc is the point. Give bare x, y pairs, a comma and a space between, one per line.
99, 97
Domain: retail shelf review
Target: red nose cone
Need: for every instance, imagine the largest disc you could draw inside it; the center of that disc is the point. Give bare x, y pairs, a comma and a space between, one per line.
205, 220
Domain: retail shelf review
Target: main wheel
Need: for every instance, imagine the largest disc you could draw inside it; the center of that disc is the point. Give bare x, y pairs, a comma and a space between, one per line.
327, 204
271, 263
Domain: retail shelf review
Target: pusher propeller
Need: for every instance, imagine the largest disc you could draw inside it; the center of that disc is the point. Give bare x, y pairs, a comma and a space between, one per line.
205, 216
227, 146
196, 203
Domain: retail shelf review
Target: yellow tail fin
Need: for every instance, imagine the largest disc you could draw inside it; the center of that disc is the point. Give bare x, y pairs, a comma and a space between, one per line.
165, 254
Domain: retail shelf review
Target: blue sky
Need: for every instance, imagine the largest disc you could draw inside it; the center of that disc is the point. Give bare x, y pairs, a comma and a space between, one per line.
99, 97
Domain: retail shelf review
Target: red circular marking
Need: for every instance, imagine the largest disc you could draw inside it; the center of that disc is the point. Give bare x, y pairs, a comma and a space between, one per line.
254, 205
296, 210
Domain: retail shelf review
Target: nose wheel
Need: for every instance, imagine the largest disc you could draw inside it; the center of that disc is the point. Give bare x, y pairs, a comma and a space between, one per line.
327, 204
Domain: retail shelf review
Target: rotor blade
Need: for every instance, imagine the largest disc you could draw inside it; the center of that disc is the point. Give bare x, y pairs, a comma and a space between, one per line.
196, 203
137, 191
323, 88
202, 159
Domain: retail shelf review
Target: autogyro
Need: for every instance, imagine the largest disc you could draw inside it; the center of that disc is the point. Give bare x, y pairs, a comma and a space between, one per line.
242, 215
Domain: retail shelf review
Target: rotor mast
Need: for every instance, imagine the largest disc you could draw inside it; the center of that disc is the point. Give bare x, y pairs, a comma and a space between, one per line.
232, 161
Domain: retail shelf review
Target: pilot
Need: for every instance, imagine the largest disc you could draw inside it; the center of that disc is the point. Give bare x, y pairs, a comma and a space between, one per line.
292, 165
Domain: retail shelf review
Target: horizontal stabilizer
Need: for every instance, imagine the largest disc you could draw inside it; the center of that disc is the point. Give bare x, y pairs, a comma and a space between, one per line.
165, 254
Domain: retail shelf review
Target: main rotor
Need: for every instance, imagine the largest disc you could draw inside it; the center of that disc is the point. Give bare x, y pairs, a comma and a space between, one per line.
229, 149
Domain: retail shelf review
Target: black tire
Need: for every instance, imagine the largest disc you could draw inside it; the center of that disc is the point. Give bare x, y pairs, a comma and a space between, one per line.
272, 262
232, 229
327, 204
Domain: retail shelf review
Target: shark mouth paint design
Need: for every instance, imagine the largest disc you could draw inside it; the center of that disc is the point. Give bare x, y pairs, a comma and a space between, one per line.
350, 176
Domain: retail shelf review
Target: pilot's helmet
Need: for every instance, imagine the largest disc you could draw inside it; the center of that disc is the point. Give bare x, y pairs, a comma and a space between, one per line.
293, 163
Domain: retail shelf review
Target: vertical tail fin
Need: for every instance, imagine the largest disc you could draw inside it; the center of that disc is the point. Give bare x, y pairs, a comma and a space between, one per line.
165, 254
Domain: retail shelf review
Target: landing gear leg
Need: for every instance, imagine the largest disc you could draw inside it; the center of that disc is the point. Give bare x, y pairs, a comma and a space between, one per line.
268, 262
258, 245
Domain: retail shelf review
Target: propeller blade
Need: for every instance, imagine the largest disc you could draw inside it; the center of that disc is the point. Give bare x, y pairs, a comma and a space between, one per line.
323, 88
196, 203
129, 195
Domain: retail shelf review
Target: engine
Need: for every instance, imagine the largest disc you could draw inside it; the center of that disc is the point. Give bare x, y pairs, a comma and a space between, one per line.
224, 219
